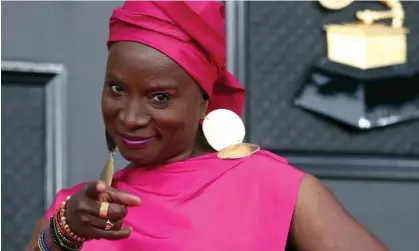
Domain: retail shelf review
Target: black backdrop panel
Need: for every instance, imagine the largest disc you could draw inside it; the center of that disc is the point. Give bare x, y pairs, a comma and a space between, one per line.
23, 157
284, 39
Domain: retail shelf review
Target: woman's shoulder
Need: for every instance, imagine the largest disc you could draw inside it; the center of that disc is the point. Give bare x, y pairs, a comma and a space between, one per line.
267, 157
266, 160
277, 181
272, 166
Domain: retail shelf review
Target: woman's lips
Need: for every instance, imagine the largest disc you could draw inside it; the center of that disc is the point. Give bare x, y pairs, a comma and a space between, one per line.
135, 141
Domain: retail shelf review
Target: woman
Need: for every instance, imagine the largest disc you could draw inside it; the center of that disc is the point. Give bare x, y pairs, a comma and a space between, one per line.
165, 72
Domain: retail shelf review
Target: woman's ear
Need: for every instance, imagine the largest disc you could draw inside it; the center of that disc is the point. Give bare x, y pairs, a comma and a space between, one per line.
204, 111
110, 143
204, 105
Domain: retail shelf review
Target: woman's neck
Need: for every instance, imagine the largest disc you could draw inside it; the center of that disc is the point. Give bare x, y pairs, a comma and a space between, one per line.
201, 145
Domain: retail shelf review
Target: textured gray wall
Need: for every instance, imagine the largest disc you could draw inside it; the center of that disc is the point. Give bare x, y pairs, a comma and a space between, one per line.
74, 33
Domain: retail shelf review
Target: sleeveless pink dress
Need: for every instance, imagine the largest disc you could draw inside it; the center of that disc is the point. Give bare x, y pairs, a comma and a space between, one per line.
206, 204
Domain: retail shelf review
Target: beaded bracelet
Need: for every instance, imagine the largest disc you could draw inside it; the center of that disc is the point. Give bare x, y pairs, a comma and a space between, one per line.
61, 234
61, 241
63, 223
41, 241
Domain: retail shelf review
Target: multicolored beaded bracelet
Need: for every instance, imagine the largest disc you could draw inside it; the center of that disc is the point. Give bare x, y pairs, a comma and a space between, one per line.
41, 241
63, 223
61, 234
59, 240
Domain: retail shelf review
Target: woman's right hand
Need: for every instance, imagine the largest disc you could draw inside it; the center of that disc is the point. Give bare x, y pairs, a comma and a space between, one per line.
82, 211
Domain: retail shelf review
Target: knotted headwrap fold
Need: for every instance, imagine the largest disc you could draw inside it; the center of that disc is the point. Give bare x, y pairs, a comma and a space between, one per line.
190, 33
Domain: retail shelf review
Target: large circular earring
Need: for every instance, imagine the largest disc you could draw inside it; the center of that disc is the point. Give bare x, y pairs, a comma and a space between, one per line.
224, 131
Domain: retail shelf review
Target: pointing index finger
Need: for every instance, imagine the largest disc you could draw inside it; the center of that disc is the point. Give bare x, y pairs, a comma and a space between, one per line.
123, 198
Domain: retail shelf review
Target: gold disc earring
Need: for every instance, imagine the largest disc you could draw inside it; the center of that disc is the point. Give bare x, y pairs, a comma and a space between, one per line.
225, 131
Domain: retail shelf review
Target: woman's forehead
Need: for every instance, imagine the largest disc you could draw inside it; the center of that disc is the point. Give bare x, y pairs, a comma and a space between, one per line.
131, 60
136, 55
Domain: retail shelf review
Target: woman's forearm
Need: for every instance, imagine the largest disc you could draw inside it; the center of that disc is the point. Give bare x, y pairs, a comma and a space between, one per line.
49, 242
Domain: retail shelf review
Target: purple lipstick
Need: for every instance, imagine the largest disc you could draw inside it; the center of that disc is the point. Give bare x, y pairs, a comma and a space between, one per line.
135, 141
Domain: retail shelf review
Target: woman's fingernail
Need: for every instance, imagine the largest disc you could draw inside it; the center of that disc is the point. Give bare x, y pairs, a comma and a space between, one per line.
100, 186
137, 199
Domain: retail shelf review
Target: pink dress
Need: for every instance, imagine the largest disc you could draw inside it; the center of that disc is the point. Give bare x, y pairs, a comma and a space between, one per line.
206, 204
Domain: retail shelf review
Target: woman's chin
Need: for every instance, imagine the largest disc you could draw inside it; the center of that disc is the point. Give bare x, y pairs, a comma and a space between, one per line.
140, 157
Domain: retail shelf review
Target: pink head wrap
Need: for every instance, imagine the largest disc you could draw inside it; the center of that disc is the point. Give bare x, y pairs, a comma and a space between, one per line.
190, 33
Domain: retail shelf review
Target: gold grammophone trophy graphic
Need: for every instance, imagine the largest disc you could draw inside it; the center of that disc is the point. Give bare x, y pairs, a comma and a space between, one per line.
365, 80
368, 44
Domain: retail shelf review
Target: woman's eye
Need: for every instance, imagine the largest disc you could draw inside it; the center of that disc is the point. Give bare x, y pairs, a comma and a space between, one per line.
117, 89
161, 98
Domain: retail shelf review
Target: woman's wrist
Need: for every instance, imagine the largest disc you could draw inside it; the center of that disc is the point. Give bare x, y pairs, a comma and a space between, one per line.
48, 241
58, 236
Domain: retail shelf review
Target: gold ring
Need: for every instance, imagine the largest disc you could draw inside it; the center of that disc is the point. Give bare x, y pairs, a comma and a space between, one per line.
103, 212
108, 225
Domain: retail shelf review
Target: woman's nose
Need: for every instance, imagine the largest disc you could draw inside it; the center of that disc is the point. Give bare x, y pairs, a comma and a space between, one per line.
134, 115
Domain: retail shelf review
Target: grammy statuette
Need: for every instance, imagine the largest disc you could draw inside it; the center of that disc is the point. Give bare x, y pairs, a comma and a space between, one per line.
367, 44
365, 81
